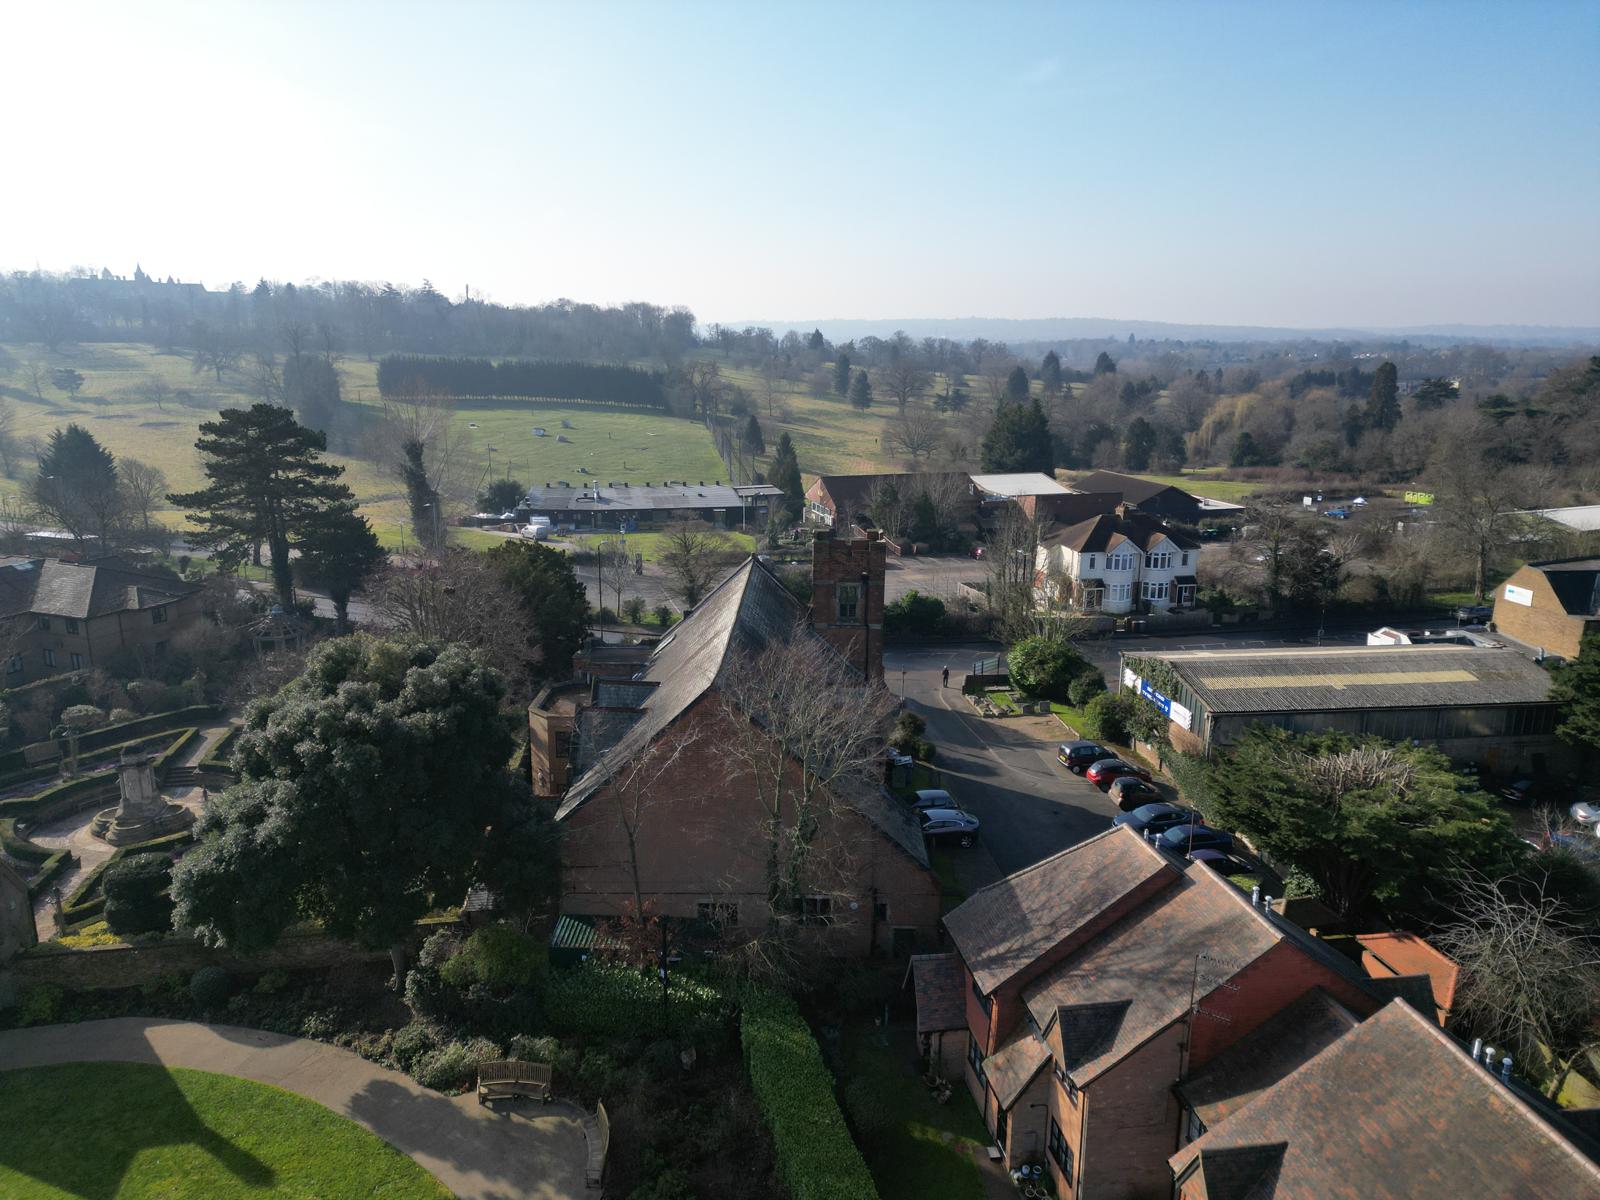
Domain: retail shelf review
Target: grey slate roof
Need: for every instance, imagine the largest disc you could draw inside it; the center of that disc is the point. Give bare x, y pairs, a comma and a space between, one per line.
83, 590
1358, 677
746, 611
1576, 583
594, 496
1393, 1110
1100, 533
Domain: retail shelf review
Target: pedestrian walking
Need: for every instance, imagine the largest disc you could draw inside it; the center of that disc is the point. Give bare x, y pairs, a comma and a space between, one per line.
945, 681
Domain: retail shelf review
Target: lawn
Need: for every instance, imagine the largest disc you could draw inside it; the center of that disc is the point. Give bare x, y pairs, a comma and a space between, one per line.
1203, 483
135, 1131
609, 443
918, 1149
652, 545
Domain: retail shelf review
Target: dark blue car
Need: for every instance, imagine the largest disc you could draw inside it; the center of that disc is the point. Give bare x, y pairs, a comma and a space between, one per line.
1155, 818
1181, 839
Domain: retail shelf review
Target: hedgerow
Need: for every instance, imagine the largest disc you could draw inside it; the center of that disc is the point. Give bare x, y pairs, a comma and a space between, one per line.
816, 1157
614, 1000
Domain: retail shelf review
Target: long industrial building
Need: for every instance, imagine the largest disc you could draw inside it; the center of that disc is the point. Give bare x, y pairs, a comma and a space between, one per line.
1488, 706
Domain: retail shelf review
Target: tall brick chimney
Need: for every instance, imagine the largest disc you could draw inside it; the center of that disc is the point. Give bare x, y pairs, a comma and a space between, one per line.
847, 596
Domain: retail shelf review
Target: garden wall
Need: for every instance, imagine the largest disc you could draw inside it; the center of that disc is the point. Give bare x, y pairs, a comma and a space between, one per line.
109, 968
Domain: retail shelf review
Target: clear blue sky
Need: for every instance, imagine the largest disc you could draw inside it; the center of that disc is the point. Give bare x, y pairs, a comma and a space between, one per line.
1269, 163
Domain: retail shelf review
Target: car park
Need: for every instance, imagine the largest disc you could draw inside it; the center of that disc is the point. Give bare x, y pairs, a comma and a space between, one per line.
933, 798
949, 825
1131, 792
1186, 839
1338, 514
1474, 612
1102, 773
1078, 757
1156, 818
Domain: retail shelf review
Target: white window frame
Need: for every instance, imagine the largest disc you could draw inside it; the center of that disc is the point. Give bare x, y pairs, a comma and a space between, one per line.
1153, 589
1122, 560
1120, 592
49, 657
1158, 560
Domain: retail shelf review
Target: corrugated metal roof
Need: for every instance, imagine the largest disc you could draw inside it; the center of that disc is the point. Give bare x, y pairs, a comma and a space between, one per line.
593, 496
1345, 677
1025, 483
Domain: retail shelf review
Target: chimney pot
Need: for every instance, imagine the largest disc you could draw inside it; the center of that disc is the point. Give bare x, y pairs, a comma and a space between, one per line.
1477, 1049
1488, 1057
1505, 1069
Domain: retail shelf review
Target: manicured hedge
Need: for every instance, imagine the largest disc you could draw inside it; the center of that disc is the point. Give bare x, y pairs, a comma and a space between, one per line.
53, 867
15, 761
817, 1159
27, 806
87, 901
19, 847
613, 999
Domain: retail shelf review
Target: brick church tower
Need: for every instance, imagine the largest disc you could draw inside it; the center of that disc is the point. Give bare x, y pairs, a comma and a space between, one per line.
847, 596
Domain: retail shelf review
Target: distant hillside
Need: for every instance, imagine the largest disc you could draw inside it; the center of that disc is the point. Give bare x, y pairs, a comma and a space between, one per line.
1048, 329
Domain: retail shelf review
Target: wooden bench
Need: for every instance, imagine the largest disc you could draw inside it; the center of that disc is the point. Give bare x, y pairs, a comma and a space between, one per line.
598, 1130
513, 1077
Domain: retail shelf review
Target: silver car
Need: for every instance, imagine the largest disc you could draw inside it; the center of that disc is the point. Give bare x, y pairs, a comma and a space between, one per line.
1587, 814
949, 825
933, 798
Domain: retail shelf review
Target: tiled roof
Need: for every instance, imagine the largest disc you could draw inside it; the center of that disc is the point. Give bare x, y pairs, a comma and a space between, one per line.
852, 494
82, 590
941, 998
1142, 970
1011, 1068
1389, 954
1576, 583
1101, 533
1133, 489
1393, 1110
1358, 677
745, 612
1265, 1055
1005, 928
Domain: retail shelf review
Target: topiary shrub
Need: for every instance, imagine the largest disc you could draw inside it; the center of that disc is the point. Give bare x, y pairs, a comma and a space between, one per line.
1085, 688
136, 894
1045, 667
209, 987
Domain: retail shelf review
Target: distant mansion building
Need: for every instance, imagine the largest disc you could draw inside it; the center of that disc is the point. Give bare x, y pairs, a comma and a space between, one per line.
1117, 562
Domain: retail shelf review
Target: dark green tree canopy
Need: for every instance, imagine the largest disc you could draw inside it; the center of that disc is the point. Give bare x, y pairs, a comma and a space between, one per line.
77, 485
1246, 452
860, 391
785, 474
1577, 687
546, 583
1046, 667
1383, 409
752, 439
1138, 444
1017, 385
841, 374
339, 553
1050, 373
501, 495
1105, 364
1435, 393
370, 791
421, 497
1018, 439
269, 484
1363, 818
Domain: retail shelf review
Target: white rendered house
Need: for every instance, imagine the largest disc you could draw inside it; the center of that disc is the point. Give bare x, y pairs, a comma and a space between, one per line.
1117, 563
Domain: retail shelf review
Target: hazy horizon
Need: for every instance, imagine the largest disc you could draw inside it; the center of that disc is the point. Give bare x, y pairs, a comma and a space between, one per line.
1317, 167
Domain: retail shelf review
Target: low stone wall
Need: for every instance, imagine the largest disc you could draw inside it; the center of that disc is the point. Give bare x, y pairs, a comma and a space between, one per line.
110, 968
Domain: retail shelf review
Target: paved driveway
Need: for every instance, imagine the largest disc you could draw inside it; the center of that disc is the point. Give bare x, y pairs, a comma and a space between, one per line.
479, 1153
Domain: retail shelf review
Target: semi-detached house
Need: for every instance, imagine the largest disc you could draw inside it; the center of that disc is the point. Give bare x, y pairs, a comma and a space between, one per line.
1118, 562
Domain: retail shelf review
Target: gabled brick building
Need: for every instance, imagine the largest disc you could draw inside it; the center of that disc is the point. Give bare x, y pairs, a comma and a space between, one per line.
1550, 606
1097, 979
695, 845
1393, 1109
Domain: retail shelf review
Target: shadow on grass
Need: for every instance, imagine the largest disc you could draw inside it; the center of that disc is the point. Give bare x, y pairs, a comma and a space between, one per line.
86, 1122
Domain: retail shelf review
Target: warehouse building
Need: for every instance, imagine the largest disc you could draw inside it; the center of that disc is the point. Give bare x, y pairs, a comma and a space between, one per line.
613, 505
1481, 705
1550, 607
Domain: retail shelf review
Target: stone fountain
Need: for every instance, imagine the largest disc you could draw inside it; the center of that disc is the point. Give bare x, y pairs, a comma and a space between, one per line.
142, 813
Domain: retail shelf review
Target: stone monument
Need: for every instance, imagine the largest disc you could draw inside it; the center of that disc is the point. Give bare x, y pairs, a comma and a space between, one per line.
142, 813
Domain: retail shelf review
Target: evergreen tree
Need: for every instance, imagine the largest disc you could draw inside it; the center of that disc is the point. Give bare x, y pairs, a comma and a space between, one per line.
754, 443
1245, 451
269, 484
1017, 385
340, 553
552, 599
816, 341
1354, 425
861, 391
1050, 373
1018, 440
76, 487
1434, 393
311, 388
1577, 686
1105, 364
1138, 443
1171, 449
1383, 409
841, 374
786, 475
420, 495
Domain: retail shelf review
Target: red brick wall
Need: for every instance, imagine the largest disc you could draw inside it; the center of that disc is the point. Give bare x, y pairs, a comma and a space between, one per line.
699, 837
1131, 1123
836, 560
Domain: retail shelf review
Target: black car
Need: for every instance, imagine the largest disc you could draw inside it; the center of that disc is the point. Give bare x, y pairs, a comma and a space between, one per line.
1077, 756
1185, 839
1156, 818
1532, 793
949, 825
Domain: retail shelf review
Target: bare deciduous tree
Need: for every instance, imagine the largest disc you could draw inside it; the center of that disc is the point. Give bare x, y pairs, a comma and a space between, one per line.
144, 487
427, 418
1481, 505
915, 433
694, 556
1530, 974
1012, 555
35, 373
905, 380
459, 597
613, 569
10, 447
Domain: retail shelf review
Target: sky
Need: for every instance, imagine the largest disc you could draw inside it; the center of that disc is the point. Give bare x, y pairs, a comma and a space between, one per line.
1277, 163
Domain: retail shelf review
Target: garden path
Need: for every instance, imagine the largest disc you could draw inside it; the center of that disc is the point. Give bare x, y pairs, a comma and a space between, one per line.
516, 1151
72, 830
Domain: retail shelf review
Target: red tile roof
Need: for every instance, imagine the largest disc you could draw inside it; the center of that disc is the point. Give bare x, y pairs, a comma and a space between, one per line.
1389, 954
936, 982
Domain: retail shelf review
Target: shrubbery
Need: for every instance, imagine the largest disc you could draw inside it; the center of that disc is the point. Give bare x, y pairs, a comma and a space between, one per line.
1045, 667
489, 979
817, 1159
913, 613
454, 1064
1085, 688
614, 1000
210, 986
1104, 719
907, 737
136, 894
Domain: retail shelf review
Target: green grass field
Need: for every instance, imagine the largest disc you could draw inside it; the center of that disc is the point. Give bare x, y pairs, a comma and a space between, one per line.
114, 406
135, 1131
651, 544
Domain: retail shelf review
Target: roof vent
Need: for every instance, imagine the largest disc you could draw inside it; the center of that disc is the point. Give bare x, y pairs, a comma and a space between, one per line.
1255, 896
1505, 1069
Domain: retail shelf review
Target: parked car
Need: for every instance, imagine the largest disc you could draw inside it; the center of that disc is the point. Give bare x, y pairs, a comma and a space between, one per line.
1102, 773
1359, 502
933, 798
1474, 612
949, 825
1078, 757
1156, 818
1338, 514
1131, 792
1587, 814
1186, 839
1533, 792
1224, 862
